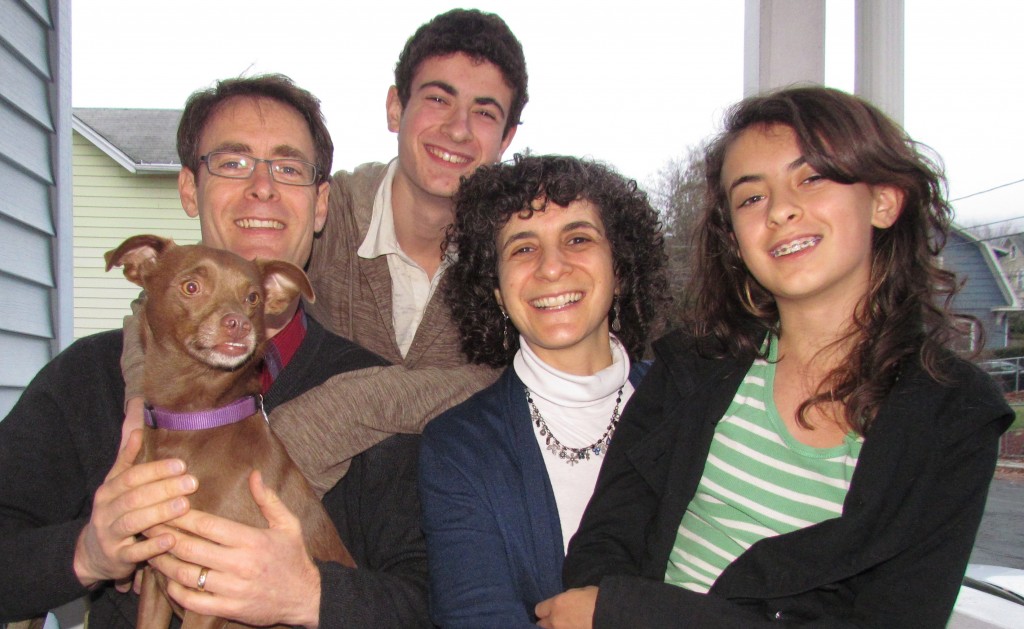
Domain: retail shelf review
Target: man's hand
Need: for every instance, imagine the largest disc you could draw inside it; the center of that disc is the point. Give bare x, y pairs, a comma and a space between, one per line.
255, 576
573, 609
132, 499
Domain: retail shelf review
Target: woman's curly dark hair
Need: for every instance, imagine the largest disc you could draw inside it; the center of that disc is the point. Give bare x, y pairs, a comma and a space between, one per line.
488, 199
905, 312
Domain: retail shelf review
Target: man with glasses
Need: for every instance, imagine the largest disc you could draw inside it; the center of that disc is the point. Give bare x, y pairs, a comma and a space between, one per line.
460, 88
256, 159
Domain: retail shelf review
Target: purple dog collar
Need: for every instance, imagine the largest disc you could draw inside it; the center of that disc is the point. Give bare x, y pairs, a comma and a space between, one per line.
209, 418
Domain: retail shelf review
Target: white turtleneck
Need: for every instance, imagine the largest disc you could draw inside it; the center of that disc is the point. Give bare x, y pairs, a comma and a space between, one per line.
577, 410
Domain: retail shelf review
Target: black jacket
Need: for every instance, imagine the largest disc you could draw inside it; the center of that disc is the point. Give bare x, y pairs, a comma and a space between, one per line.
895, 558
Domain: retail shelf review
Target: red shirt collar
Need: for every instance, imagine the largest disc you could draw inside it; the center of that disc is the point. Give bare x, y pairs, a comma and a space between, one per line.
281, 348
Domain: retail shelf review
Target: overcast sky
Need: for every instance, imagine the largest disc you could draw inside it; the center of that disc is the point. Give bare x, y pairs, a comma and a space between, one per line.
630, 83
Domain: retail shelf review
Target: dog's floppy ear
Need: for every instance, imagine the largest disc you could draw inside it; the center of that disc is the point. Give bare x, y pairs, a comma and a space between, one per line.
282, 281
137, 255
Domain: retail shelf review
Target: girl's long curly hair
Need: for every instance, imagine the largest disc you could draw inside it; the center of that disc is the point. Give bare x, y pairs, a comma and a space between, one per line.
905, 312
493, 194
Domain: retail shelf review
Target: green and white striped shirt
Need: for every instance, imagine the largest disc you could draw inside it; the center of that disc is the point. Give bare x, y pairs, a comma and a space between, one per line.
758, 482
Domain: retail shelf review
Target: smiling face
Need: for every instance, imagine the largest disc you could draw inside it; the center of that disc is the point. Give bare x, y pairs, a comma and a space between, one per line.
556, 282
805, 238
256, 217
454, 122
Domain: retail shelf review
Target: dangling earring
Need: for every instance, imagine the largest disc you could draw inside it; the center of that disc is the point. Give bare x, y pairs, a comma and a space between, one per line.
505, 343
616, 317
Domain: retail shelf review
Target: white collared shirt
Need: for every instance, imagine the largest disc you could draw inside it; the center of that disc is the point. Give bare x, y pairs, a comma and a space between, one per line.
411, 289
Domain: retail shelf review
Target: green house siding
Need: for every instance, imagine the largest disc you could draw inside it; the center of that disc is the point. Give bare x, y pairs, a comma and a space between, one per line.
111, 204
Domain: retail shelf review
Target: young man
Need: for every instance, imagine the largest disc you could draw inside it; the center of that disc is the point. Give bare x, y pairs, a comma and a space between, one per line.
460, 87
71, 505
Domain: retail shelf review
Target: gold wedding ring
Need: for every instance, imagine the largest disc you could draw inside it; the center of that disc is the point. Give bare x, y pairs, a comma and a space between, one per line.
201, 583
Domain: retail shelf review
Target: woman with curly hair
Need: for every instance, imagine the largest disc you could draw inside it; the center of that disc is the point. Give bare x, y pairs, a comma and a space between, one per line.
558, 275
807, 451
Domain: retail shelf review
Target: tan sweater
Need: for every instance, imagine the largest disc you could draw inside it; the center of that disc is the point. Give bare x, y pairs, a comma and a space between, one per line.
351, 412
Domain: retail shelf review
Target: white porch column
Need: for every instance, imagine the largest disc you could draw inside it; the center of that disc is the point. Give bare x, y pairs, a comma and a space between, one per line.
784, 43
879, 56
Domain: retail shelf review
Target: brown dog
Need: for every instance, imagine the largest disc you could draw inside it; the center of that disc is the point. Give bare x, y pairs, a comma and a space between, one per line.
202, 329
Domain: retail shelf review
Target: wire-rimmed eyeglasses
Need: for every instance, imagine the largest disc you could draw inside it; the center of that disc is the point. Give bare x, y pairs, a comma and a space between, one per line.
286, 170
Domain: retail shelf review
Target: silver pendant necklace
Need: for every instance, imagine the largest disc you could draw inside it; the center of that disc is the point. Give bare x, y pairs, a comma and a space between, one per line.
572, 456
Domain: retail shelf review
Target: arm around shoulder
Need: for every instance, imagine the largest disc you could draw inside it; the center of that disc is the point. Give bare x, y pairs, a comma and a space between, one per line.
328, 425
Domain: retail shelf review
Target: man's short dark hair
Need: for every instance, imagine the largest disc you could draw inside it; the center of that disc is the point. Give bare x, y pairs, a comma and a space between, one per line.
480, 36
204, 103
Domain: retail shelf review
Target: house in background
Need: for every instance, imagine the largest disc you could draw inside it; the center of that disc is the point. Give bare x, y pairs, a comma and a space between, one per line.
986, 293
1009, 251
125, 171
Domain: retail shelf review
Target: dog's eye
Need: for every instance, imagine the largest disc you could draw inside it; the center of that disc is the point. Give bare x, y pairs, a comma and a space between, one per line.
190, 287
253, 298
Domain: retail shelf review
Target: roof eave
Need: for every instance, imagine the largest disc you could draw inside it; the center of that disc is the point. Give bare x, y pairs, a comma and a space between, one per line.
1000, 276
117, 154
157, 169
101, 143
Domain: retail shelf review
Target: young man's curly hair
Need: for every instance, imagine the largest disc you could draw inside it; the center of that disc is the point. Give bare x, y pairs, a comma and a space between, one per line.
482, 37
488, 199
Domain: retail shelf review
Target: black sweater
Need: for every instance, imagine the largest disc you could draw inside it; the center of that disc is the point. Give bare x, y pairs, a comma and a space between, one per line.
895, 558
